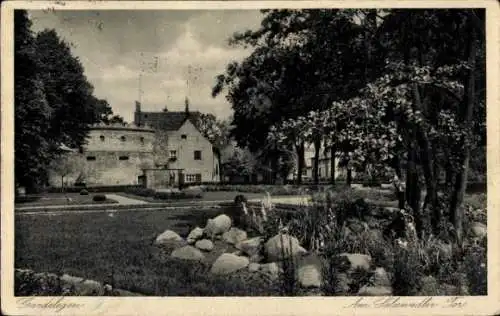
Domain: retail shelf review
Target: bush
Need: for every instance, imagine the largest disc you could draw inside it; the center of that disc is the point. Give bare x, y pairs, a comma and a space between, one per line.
408, 272
84, 192
99, 198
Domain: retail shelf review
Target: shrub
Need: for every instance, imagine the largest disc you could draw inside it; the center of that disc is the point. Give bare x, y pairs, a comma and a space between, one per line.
84, 192
99, 198
475, 263
407, 273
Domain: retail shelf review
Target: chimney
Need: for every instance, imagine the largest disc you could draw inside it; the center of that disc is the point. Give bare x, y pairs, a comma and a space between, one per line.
137, 114
186, 103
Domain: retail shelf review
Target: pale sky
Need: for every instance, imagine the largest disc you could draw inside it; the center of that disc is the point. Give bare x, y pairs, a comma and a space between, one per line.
109, 45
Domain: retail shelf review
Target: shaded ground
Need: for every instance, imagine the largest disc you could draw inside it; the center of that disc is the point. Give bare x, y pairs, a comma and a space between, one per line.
60, 199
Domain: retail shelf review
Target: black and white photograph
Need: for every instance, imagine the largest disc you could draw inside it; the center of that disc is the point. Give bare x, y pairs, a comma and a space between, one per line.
250, 152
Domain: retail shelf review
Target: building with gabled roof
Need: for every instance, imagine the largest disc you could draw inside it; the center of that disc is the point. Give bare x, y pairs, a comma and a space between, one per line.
159, 149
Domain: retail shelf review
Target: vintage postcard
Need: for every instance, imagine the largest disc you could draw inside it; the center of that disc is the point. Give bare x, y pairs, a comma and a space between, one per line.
250, 158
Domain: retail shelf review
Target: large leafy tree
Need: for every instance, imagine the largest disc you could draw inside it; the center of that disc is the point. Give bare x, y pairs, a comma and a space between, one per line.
423, 113
32, 111
54, 103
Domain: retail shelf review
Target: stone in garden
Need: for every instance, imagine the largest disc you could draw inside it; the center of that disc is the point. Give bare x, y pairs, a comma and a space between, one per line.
257, 258
90, 287
478, 230
234, 236
272, 269
375, 291
194, 235
309, 276
218, 225
167, 236
204, 244
250, 246
381, 278
281, 246
228, 263
66, 278
253, 267
188, 253
194, 191
358, 260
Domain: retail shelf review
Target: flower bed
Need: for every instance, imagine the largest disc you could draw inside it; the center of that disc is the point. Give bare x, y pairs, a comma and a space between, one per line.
167, 194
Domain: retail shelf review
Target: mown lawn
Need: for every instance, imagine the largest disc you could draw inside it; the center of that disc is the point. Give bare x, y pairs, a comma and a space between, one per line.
119, 250
49, 199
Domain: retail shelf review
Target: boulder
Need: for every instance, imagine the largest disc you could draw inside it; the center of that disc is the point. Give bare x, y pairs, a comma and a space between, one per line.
358, 260
204, 244
195, 191
234, 236
167, 236
188, 253
375, 291
256, 258
69, 279
194, 235
478, 230
90, 287
281, 246
272, 269
309, 276
228, 263
218, 225
381, 278
250, 246
253, 267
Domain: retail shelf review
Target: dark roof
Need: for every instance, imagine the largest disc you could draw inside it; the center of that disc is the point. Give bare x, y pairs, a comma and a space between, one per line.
168, 121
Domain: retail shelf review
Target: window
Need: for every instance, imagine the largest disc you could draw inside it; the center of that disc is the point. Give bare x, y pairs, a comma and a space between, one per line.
184, 136
142, 140
193, 177
123, 138
304, 172
197, 155
173, 154
123, 158
90, 158
102, 138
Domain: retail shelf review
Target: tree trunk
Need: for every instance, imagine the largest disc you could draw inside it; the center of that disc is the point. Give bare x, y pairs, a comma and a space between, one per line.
62, 184
317, 147
426, 154
456, 212
333, 151
300, 163
349, 177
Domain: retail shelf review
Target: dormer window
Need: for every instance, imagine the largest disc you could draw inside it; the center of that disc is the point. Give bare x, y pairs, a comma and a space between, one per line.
123, 138
183, 136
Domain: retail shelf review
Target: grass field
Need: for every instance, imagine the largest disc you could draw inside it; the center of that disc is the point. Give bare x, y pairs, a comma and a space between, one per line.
98, 246
49, 199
